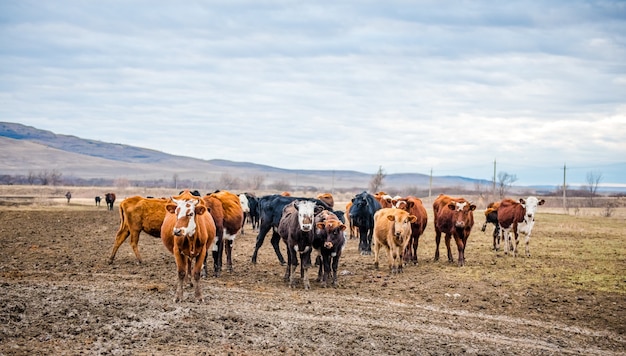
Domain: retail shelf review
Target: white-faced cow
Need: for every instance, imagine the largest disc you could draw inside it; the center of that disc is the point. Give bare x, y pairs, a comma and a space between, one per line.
364, 205
329, 240
392, 231
296, 230
187, 232
454, 217
517, 217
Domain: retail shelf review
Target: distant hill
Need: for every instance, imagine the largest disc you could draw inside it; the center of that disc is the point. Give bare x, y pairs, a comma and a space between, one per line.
25, 149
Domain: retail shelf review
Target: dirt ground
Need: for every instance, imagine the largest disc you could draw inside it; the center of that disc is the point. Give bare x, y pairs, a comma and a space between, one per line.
58, 295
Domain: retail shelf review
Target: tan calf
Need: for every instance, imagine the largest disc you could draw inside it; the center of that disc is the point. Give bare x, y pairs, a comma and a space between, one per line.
392, 230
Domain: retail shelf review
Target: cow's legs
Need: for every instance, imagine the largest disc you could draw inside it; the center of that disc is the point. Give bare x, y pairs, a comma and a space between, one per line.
228, 247
199, 262
437, 241
260, 238
276, 244
181, 269
120, 237
304, 270
217, 252
461, 248
335, 265
415, 244
376, 254
447, 238
527, 245
365, 244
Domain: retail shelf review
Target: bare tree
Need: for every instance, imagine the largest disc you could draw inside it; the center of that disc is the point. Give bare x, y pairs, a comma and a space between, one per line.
256, 182
228, 182
281, 185
55, 177
377, 180
505, 181
593, 181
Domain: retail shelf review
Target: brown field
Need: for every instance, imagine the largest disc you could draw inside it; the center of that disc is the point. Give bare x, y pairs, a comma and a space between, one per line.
59, 295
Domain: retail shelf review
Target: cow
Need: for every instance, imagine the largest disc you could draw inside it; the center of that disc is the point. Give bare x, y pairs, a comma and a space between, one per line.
454, 217
187, 231
271, 211
327, 198
232, 222
364, 205
253, 203
329, 240
384, 199
413, 206
138, 214
68, 195
296, 230
392, 230
110, 199
98, 199
353, 231
517, 217
245, 207
491, 217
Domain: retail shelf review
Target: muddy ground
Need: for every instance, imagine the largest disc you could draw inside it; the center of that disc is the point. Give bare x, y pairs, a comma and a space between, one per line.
58, 295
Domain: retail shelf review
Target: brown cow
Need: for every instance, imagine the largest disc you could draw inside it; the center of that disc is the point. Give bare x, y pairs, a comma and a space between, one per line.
328, 199
296, 229
517, 217
353, 230
454, 217
232, 222
329, 240
187, 231
138, 214
413, 206
384, 199
392, 230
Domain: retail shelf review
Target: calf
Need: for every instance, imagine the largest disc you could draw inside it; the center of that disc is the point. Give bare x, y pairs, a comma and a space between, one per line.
98, 199
517, 217
296, 230
329, 240
392, 230
138, 214
455, 218
110, 199
491, 217
413, 206
187, 231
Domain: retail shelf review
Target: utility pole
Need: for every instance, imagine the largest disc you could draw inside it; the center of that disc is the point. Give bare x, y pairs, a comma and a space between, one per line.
564, 188
430, 184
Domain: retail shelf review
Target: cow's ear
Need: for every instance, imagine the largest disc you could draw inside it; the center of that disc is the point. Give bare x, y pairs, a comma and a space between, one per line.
452, 206
541, 202
410, 204
171, 208
320, 225
200, 209
342, 227
391, 218
521, 200
412, 218
472, 207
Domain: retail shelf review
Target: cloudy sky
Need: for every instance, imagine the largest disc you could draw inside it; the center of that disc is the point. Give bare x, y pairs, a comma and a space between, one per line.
341, 85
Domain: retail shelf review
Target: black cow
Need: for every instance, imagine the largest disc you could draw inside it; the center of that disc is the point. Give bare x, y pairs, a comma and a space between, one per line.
364, 205
270, 212
68, 195
110, 199
491, 216
296, 228
98, 199
329, 240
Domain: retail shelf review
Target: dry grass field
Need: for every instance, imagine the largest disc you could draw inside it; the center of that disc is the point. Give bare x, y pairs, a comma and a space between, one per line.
59, 295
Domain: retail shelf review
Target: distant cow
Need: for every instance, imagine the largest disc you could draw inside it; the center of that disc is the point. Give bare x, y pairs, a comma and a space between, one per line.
138, 214
517, 217
271, 211
253, 203
415, 207
296, 230
454, 217
110, 199
187, 231
98, 199
392, 231
232, 223
68, 195
327, 198
364, 205
491, 217
329, 240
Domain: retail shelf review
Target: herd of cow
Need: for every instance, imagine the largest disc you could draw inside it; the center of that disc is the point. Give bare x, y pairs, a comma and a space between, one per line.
190, 225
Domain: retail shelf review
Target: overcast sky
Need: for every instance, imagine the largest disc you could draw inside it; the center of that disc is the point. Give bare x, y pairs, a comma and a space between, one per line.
340, 85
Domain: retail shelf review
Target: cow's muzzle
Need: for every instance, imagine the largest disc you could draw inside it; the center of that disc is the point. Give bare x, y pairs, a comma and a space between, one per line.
460, 224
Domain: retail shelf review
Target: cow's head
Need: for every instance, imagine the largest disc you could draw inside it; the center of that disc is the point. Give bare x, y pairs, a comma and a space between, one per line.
461, 213
401, 224
359, 204
306, 214
531, 205
334, 231
243, 201
185, 211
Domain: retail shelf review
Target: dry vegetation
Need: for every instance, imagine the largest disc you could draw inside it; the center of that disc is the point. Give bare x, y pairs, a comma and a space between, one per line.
59, 294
